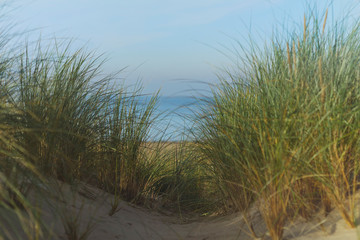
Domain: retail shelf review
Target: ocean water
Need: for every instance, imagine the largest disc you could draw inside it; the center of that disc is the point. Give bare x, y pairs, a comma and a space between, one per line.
176, 116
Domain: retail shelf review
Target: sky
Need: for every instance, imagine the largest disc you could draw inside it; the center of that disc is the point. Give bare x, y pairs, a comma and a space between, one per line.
176, 46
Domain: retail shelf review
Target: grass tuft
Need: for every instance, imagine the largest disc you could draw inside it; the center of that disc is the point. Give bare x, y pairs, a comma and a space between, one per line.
282, 131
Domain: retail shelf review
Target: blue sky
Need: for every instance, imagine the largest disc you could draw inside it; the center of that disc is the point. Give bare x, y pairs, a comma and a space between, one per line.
162, 41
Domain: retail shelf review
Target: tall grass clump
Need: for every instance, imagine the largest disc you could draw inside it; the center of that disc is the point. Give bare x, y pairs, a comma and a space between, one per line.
281, 132
19, 218
125, 166
61, 103
80, 126
62, 119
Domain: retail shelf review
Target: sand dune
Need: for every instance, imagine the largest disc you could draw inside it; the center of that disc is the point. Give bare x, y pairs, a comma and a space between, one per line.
132, 222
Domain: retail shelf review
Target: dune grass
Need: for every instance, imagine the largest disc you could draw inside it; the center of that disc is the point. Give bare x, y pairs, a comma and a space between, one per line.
282, 130
62, 119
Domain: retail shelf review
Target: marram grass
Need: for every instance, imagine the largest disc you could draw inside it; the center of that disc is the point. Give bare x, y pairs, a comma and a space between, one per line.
62, 119
282, 131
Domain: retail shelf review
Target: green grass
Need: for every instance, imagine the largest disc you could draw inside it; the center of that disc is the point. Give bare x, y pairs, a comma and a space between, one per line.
62, 119
282, 130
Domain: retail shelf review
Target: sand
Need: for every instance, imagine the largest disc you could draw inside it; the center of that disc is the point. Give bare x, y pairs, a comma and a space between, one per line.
92, 206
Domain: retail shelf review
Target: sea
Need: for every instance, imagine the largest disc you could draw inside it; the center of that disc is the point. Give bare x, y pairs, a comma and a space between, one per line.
175, 117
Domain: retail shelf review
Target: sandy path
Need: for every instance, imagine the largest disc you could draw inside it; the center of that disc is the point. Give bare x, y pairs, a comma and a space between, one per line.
131, 222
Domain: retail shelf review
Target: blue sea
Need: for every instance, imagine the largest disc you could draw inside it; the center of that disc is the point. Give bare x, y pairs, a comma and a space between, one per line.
175, 119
